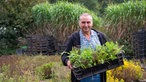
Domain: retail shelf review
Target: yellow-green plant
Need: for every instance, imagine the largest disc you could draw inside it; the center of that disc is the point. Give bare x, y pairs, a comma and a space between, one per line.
130, 71
88, 57
111, 78
45, 71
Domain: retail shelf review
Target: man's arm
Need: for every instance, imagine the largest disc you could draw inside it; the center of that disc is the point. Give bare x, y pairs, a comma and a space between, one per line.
65, 54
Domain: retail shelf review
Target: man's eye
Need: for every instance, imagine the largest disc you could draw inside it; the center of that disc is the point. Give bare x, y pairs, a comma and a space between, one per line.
88, 22
83, 22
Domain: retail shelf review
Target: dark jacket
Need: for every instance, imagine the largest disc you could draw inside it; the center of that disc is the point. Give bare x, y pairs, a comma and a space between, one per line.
74, 41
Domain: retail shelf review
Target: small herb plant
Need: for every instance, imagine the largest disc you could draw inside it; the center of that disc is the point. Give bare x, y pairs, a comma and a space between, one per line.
89, 57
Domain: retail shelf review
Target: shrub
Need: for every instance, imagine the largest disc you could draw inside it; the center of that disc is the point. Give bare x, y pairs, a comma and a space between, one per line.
130, 71
45, 71
6, 76
26, 68
111, 78
15, 19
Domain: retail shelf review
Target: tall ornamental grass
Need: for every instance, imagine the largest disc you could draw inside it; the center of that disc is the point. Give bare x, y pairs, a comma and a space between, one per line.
125, 18
62, 18
41, 17
65, 18
41, 12
122, 20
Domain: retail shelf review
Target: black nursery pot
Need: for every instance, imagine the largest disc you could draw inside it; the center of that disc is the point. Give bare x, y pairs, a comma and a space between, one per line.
81, 73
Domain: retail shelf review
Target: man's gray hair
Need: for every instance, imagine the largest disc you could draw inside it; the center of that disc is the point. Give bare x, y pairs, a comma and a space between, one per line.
85, 14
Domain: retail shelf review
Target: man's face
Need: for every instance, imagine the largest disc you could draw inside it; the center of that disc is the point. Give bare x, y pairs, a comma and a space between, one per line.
86, 23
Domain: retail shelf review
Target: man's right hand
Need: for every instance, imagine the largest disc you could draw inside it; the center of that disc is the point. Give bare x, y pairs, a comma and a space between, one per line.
69, 65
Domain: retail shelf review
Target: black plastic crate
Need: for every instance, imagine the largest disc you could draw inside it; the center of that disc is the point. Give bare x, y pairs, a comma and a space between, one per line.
81, 73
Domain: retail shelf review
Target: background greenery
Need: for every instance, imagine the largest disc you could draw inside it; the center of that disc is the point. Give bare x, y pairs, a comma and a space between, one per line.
124, 19
60, 18
15, 19
118, 19
40, 68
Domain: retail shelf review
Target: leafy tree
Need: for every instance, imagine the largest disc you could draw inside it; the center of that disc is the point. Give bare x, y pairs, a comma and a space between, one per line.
97, 6
90, 4
105, 3
15, 18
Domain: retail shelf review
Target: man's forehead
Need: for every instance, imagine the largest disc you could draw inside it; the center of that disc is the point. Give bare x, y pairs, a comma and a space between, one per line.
85, 16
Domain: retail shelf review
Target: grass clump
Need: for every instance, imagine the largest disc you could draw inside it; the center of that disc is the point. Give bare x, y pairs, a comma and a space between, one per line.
45, 71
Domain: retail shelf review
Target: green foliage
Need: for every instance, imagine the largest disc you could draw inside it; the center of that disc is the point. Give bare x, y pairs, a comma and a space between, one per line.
24, 68
88, 57
125, 18
122, 20
16, 68
81, 59
97, 6
127, 47
107, 52
104, 3
62, 17
67, 14
111, 78
125, 12
90, 4
15, 18
6, 77
41, 13
130, 71
7, 41
45, 71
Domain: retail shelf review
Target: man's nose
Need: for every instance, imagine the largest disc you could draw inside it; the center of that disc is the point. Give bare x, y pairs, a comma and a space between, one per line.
86, 24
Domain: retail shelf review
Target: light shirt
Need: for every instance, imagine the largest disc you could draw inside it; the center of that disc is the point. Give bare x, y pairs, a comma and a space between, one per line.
85, 43
93, 42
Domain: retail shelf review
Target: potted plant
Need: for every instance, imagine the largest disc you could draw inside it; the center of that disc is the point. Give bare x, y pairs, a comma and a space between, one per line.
88, 62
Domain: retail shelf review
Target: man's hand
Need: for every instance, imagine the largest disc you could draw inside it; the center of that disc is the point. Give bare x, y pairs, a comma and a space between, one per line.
69, 65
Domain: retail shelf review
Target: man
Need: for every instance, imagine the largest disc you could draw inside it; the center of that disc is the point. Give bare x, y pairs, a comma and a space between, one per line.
85, 37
